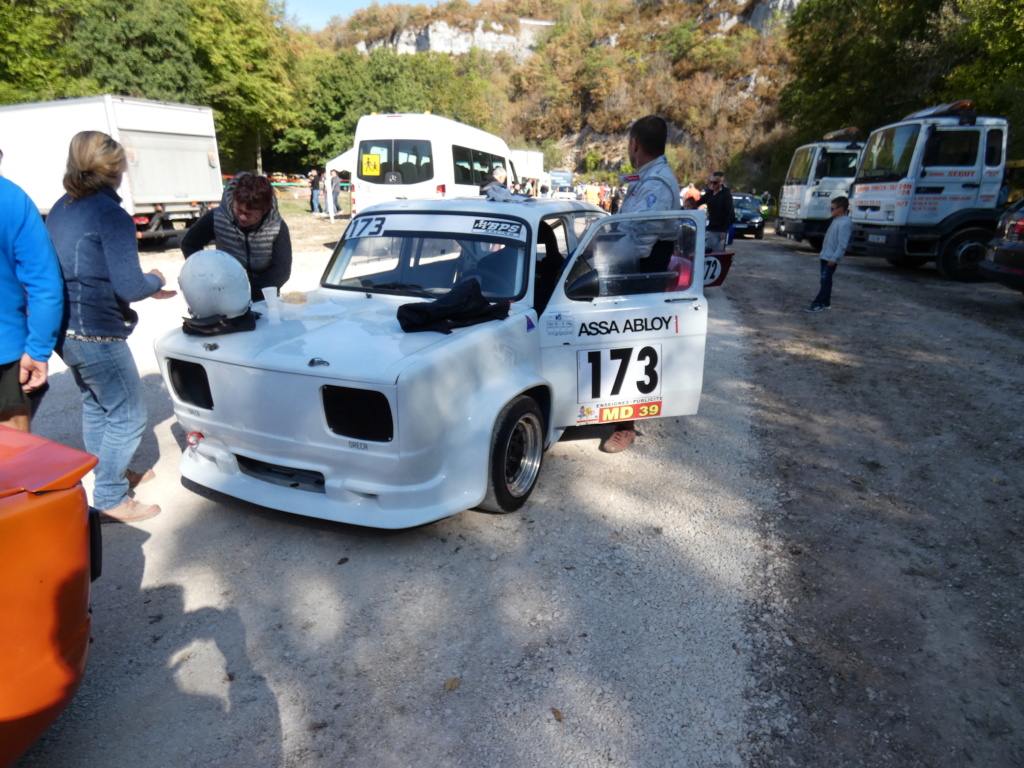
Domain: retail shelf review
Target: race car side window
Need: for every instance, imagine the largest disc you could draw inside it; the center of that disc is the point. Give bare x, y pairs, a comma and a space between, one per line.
634, 256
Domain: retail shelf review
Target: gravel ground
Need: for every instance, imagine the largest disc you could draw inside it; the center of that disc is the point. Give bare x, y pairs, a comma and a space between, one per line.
822, 568
604, 624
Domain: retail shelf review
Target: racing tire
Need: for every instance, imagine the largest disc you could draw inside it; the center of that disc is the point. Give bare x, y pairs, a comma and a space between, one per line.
816, 243
959, 256
759, 233
907, 262
517, 450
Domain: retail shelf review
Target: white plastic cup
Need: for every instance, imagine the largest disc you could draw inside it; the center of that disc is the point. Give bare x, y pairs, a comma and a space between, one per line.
273, 310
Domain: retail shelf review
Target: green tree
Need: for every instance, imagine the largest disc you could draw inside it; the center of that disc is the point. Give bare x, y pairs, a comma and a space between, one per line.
861, 62
242, 48
140, 48
36, 61
990, 68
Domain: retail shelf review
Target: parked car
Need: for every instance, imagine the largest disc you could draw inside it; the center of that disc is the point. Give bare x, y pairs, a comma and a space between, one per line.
749, 219
1004, 258
49, 554
564, 193
349, 414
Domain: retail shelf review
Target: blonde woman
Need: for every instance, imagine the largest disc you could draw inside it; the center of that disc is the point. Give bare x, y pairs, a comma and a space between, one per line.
95, 241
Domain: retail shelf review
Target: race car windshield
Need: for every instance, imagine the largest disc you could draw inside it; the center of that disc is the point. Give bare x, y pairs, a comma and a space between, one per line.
427, 263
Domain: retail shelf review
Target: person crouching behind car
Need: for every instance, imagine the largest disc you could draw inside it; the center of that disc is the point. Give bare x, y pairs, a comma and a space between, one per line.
247, 225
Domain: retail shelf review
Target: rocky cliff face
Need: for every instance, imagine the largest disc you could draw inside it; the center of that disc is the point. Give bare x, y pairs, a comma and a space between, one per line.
439, 37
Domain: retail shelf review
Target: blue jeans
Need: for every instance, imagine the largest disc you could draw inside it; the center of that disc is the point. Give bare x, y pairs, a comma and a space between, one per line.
113, 411
315, 200
824, 297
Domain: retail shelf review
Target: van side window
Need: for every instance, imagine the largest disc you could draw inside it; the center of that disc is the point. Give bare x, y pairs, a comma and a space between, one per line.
463, 160
481, 166
994, 148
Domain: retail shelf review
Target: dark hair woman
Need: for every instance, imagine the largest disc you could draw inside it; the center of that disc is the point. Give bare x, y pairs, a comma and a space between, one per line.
95, 241
247, 225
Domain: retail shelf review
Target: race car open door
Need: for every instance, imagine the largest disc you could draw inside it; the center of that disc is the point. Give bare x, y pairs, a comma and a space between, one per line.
622, 337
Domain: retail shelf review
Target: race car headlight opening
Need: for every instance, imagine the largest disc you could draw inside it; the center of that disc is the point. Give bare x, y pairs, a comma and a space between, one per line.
359, 414
190, 383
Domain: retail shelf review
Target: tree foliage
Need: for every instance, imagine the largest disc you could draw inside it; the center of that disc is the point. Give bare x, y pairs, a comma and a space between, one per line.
870, 62
139, 48
36, 62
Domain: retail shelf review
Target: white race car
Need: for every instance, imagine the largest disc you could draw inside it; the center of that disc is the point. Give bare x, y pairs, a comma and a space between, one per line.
328, 408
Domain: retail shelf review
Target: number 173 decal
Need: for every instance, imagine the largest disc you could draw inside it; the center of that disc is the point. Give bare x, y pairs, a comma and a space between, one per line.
618, 384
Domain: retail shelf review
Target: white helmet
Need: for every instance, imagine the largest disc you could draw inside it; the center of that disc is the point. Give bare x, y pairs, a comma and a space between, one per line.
214, 283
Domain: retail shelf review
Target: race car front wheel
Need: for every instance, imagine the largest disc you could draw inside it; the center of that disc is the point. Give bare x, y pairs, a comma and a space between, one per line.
517, 449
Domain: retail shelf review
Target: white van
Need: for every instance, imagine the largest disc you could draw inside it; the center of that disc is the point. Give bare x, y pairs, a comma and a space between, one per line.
418, 157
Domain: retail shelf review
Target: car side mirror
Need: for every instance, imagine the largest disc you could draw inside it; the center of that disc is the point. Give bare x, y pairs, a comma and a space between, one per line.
585, 287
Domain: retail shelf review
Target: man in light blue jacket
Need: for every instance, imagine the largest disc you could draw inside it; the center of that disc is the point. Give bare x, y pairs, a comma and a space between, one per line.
832, 250
31, 305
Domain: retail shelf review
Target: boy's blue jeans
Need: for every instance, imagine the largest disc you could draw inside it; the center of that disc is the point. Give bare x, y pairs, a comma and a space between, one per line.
824, 297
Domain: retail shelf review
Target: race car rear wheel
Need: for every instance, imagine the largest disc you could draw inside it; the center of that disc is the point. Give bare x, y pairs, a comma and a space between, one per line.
517, 449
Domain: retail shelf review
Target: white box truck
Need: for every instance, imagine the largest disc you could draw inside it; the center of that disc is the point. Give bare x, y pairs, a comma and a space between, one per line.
817, 173
927, 189
173, 174
528, 164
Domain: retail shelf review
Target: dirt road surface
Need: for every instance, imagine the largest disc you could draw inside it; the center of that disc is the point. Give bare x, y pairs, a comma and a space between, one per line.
823, 568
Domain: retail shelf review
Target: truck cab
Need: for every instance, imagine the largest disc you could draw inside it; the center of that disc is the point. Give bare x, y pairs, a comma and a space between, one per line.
817, 173
927, 188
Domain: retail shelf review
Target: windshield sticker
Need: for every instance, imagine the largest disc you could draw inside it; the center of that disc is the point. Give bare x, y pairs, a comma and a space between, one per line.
498, 227
367, 226
560, 324
634, 325
371, 165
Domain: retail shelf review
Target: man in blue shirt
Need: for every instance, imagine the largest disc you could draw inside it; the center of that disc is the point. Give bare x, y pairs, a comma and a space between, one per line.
31, 304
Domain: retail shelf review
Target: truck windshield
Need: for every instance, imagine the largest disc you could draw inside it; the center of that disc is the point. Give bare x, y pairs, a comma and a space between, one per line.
836, 165
800, 167
888, 154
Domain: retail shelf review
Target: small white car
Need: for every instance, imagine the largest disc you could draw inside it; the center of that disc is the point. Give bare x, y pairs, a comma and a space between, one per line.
330, 409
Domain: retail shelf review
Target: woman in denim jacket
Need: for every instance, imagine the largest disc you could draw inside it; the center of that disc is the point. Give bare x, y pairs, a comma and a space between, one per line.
95, 241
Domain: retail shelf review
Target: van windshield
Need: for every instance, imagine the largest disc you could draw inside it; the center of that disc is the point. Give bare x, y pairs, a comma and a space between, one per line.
888, 155
395, 161
427, 255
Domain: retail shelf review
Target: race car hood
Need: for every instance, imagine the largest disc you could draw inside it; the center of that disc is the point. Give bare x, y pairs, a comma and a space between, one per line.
353, 337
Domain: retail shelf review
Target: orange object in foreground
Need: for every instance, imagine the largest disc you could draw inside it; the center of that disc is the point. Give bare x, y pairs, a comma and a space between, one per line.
45, 569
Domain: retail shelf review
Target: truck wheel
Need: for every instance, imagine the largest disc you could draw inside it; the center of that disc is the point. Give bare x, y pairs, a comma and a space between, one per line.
517, 449
907, 262
959, 256
816, 243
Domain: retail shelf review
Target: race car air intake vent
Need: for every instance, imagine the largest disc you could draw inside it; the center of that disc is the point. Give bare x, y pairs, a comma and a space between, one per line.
190, 383
358, 414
